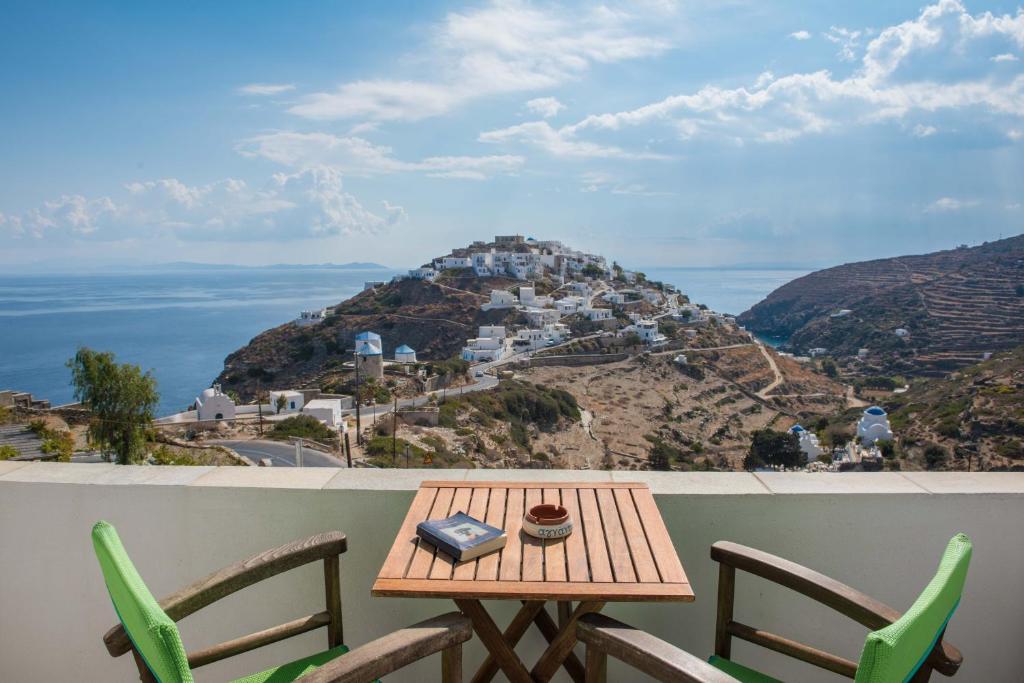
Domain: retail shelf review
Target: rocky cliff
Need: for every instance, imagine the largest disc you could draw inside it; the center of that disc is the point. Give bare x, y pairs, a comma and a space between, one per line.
955, 306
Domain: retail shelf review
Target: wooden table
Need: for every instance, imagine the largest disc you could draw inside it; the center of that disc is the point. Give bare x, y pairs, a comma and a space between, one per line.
619, 551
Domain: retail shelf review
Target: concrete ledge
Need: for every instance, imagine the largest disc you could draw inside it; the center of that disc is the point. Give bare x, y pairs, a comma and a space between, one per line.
661, 483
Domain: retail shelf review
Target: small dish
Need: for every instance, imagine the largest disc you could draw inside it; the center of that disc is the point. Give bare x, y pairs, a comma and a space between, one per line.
547, 521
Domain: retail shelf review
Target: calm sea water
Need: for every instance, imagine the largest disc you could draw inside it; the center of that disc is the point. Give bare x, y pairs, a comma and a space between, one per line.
179, 324
182, 324
723, 289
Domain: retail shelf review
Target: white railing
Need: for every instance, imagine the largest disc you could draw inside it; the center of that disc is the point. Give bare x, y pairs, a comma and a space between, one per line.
881, 533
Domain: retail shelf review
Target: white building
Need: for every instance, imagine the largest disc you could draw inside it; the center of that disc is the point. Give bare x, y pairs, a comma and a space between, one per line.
489, 345
405, 354
327, 410
213, 404
373, 284
307, 318
538, 317
616, 298
556, 332
293, 400
597, 314
501, 298
568, 305
528, 296
808, 442
483, 263
874, 426
817, 351
648, 331
424, 273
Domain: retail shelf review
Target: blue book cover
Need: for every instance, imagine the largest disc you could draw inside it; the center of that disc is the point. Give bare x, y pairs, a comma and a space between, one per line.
462, 536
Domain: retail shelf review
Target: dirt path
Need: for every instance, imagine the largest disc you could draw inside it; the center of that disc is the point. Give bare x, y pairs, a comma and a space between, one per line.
764, 393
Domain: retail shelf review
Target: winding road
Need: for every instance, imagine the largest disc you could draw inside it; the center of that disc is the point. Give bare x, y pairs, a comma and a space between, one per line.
280, 454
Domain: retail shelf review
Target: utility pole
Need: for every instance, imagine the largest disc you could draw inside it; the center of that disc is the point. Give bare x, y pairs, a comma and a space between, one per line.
359, 429
348, 451
259, 404
394, 431
406, 456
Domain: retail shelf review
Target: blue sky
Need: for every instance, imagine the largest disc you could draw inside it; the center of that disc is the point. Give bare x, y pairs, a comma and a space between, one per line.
659, 133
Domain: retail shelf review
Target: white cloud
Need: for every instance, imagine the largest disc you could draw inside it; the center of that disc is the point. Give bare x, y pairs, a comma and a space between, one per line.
899, 76
308, 203
946, 204
596, 181
1005, 57
800, 35
507, 46
545, 107
560, 142
264, 89
848, 41
357, 156
922, 131
1015, 134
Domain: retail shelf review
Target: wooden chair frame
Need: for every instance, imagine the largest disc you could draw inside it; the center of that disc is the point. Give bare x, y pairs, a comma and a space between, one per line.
663, 661
444, 633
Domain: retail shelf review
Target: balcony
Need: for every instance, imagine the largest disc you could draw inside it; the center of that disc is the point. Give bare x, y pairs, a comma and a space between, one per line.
879, 532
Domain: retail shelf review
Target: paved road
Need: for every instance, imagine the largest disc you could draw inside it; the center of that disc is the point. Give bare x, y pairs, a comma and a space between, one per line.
281, 454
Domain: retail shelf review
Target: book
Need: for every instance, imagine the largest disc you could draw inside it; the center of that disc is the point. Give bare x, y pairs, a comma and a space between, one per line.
461, 536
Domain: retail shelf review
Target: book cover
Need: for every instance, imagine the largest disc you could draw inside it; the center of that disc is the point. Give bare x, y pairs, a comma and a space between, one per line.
462, 536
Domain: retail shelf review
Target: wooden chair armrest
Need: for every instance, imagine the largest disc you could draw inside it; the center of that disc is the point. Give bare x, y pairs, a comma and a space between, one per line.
235, 577
835, 594
644, 652
394, 651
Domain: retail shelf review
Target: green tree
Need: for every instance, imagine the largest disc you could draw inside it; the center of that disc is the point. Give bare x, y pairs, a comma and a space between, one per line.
770, 447
281, 402
121, 398
594, 271
935, 455
829, 367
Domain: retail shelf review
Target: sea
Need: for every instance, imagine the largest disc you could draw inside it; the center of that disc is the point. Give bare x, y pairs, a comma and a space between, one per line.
180, 324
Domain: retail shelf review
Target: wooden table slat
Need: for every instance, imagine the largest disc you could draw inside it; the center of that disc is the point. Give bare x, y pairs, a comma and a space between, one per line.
477, 510
554, 549
423, 557
618, 548
643, 560
405, 542
533, 548
487, 567
510, 564
443, 562
669, 566
575, 545
597, 546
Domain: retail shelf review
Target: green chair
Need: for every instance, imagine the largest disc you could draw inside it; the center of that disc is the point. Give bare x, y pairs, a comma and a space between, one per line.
148, 629
901, 648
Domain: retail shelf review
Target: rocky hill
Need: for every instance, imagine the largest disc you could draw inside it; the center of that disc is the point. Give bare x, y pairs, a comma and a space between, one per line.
974, 418
955, 306
433, 318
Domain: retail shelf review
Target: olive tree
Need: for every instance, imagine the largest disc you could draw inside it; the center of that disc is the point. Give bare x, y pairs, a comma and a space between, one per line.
121, 399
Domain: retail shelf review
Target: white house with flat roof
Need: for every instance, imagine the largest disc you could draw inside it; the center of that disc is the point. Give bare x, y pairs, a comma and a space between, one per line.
327, 410
293, 400
501, 298
597, 314
489, 345
537, 317
568, 305
214, 404
314, 317
648, 331
424, 273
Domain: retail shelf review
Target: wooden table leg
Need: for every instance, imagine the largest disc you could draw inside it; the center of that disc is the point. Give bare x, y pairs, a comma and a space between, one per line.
493, 640
564, 613
562, 645
513, 633
550, 631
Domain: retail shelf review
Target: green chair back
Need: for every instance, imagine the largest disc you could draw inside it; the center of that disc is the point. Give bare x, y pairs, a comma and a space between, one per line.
151, 631
896, 652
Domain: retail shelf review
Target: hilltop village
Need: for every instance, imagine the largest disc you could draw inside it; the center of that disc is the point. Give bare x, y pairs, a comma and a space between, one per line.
519, 352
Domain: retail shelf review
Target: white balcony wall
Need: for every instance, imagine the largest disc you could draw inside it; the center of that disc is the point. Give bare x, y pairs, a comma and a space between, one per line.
881, 533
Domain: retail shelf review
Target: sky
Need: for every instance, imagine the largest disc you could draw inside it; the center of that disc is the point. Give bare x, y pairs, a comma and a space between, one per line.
659, 133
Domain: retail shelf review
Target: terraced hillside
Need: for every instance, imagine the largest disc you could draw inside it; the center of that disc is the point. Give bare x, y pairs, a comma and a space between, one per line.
955, 305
